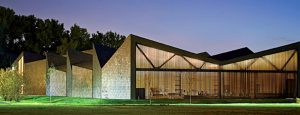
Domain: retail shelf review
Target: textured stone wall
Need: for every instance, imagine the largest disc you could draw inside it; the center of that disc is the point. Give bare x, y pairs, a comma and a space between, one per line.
35, 78
97, 81
69, 78
116, 74
57, 84
298, 72
81, 82
20, 65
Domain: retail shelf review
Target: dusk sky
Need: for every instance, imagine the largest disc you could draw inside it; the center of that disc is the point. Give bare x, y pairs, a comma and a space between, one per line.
214, 26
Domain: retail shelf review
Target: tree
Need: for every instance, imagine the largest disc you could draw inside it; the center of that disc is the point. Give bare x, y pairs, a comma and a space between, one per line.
6, 19
49, 33
80, 37
110, 39
10, 85
51, 70
27, 33
77, 39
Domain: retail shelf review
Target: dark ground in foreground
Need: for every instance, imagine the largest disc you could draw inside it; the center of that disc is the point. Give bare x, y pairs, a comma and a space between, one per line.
141, 110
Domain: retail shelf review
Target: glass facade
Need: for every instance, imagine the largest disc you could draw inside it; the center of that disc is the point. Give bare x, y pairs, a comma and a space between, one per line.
286, 60
258, 85
163, 74
173, 85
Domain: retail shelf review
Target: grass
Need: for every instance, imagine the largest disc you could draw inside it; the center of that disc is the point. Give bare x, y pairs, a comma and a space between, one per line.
79, 106
140, 110
93, 101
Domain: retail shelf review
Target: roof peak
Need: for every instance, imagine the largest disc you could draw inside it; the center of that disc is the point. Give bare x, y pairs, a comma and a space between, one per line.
233, 54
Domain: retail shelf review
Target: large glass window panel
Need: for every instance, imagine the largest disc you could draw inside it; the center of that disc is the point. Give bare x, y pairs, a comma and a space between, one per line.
141, 61
245, 64
268, 62
208, 65
258, 85
197, 63
279, 59
231, 67
261, 64
237, 85
292, 64
156, 56
177, 62
177, 85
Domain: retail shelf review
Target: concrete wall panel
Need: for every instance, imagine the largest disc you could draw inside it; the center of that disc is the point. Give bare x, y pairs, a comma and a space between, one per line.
116, 74
35, 78
97, 79
69, 78
81, 82
57, 84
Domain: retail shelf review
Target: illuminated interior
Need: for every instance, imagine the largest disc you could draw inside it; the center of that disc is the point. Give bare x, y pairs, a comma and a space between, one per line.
145, 69
166, 75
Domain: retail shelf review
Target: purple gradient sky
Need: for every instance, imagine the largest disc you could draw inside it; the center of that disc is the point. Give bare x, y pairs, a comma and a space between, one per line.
214, 26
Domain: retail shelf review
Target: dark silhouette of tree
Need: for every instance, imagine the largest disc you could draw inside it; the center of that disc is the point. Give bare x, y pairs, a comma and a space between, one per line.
6, 19
77, 39
110, 39
19, 33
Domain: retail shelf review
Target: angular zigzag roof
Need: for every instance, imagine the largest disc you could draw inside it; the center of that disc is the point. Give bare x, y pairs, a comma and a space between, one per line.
223, 58
80, 59
232, 54
58, 61
29, 57
104, 53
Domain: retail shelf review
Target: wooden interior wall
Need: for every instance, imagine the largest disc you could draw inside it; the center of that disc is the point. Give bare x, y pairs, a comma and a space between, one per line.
258, 85
262, 85
177, 62
148, 56
286, 60
178, 84
157, 57
245, 84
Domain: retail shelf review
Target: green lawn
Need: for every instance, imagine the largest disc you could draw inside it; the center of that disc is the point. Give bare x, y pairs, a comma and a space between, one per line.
83, 106
140, 110
91, 101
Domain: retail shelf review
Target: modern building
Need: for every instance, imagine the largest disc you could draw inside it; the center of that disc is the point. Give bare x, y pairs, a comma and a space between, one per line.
79, 74
56, 75
33, 69
142, 69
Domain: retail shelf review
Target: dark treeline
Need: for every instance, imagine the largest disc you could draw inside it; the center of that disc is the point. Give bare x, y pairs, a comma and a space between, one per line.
28, 33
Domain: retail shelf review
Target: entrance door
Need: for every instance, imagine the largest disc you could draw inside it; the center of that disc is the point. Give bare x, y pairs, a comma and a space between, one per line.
290, 87
140, 93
